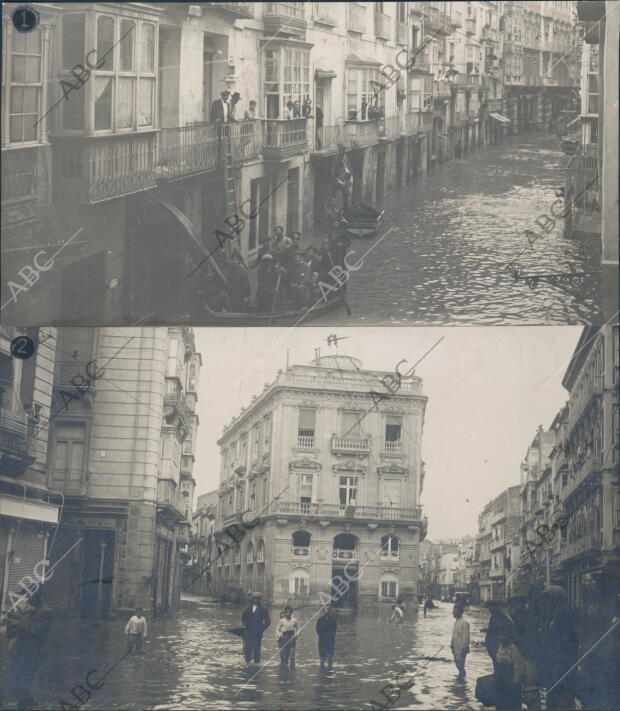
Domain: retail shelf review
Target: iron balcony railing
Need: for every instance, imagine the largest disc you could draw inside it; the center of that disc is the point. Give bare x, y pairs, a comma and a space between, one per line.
283, 138
19, 178
239, 9
325, 140
169, 496
300, 551
591, 542
442, 88
18, 433
359, 134
71, 482
345, 554
97, 168
357, 21
583, 179
389, 555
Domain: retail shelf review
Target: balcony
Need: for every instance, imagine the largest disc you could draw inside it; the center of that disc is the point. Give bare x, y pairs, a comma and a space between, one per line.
467, 81
382, 25
442, 89
389, 555
93, 169
402, 31
18, 440
300, 551
305, 442
420, 60
345, 554
360, 445
285, 18
368, 513
360, 134
284, 138
497, 543
437, 22
394, 447
590, 543
169, 497
71, 482
456, 18
489, 34
238, 9
582, 180
389, 128
325, 140
356, 21
324, 18
470, 26
19, 184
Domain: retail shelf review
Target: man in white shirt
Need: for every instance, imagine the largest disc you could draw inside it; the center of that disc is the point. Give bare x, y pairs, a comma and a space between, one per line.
460, 640
135, 630
287, 630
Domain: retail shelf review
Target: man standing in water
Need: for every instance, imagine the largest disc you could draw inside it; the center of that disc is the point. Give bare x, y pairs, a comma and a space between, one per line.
255, 620
326, 629
460, 640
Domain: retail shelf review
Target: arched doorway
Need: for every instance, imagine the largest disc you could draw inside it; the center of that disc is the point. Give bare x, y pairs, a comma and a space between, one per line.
345, 568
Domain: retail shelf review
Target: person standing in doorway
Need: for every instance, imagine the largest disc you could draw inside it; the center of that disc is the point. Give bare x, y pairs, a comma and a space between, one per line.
220, 108
460, 640
326, 627
255, 620
135, 630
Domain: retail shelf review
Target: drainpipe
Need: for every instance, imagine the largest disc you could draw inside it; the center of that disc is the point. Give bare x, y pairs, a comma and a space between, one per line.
100, 581
8, 559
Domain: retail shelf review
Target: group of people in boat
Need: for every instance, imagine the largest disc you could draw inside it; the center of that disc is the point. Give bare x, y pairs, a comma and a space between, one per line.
287, 275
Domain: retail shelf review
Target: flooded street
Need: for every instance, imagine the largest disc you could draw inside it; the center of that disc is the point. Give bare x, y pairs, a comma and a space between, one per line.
193, 662
451, 233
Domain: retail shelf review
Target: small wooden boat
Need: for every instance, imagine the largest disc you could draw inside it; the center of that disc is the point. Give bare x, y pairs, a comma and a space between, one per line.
363, 221
295, 317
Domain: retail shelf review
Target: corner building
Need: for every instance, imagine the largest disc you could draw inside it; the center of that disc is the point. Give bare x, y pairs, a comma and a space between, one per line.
334, 474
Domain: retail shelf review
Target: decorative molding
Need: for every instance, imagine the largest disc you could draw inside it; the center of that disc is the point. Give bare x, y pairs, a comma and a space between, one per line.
392, 469
350, 466
304, 463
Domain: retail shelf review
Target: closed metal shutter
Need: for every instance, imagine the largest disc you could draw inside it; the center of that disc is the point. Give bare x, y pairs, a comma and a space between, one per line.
27, 550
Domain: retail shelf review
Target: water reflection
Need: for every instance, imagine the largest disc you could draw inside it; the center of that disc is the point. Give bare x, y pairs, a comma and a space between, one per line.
455, 229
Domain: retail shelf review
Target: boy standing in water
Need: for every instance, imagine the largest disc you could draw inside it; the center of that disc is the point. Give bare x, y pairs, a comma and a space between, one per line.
136, 632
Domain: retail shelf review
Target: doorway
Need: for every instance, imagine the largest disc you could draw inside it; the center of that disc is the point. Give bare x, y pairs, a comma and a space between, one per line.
97, 574
349, 599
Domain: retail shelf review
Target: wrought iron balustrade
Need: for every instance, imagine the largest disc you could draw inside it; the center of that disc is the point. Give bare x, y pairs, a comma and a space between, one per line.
18, 434
19, 178
343, 554
239, 9
300, 551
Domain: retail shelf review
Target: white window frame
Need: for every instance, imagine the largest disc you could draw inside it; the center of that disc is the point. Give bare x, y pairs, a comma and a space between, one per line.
8, 84
298, 574
391, 579
349, 487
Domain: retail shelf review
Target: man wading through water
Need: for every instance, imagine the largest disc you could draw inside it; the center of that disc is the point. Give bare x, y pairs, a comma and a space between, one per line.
255, 620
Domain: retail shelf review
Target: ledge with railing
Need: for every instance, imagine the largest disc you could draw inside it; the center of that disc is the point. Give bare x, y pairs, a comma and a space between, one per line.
169, 496
300, 551
19, 177
360, 134
284, 17
395, 447
323, 510
18, 436
351, 444
284, 138
442, 88
590, 543
239, 9
389, 128
345, 554
71, 482
93, 169
583, 182
305, 442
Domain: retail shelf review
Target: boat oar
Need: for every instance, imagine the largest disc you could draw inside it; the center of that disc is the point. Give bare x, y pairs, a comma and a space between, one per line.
275, 298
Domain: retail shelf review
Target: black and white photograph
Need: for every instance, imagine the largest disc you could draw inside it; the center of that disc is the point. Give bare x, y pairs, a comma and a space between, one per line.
417, 518
310, 356
351, 163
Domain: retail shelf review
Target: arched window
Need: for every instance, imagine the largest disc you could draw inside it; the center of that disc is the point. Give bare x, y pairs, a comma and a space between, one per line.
260, 551
299, 582
301, 543
345, 546
249, 555
390, 546
388, 586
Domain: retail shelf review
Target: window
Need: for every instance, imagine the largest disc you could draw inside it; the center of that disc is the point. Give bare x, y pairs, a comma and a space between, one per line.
286, 77
592, 107
347, 492
350, 424
68, 461
243, 451
249, 555
260, 552
393, 428
299, 582
300, 541
124, 81
389, 546
266, 434
389, 585
305, 489
305, 430
173, 354
255, 443
361, 94
26, 82
391, 492
252, 497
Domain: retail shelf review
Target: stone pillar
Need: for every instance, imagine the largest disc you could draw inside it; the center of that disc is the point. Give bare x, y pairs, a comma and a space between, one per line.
135, 583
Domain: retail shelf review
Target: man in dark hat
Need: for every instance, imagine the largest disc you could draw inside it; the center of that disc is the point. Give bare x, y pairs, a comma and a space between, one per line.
220, 108
255, 620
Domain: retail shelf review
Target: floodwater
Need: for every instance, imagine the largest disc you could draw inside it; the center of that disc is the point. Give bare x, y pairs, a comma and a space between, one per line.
450, 233
191, 661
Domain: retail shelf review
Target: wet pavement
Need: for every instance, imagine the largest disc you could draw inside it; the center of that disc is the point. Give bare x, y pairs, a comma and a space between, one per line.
191, 661
453, 231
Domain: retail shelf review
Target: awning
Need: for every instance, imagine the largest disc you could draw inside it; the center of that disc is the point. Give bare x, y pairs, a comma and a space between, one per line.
324, 74
189, 229
353, 58
28, 509
499, 117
